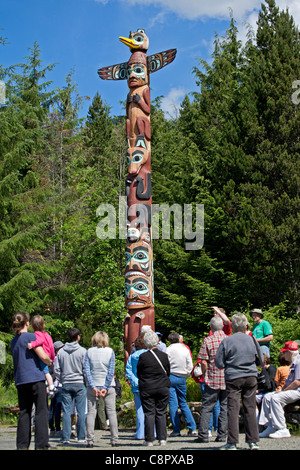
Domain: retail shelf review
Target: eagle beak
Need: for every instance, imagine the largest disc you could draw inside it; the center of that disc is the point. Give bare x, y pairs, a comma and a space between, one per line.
129, 42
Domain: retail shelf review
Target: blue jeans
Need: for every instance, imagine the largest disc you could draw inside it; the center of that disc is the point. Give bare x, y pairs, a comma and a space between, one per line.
140, 417
178, 398
76, 391
265, 350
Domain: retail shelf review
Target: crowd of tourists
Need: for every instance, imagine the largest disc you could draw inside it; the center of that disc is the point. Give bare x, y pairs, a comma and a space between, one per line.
232, 369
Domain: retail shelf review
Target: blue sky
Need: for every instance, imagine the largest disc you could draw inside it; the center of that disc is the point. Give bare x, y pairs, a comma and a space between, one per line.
82, 36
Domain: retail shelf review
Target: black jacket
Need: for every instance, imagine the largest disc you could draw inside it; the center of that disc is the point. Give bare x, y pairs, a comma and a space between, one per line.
150, 373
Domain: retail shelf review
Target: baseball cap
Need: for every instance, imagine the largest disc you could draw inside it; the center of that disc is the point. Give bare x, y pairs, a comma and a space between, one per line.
290, 346
57, 345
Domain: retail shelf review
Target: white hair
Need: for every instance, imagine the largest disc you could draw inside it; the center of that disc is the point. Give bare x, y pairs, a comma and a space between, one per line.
216, 323
239, 323
145, 329
151, 339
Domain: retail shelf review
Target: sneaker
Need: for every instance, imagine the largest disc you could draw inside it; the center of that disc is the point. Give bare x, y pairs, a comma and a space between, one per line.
280, 433
148, 443
209, 434
65, 443
81, 441
229, 447
175, 434
266, 433
253, 446
192, 432
162, 443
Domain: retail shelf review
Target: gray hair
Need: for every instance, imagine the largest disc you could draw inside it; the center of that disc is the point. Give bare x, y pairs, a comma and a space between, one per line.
216, 323
239, 323
151, 339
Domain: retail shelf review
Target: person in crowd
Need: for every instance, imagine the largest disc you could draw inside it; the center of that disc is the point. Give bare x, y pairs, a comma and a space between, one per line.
265, 379
118, 387
131, 374
239, 355
30, 384
214, 388
153, 370
283, 370
181, 366
220, 312
99, 369
43, 339
188, 348
69, 371
161, 346
55, 404
272, 410
262, 331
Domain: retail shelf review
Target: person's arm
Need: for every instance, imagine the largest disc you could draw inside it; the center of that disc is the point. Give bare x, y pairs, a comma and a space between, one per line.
110, 372
292, 386
220, 361
40, 339
43, 356
87, 372
222, 315
203, 366
265, 339
134, 381
189, 363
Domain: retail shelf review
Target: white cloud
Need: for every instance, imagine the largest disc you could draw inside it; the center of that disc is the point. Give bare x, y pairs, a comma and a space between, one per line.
170, 104
202, 9
218, 9
293, 7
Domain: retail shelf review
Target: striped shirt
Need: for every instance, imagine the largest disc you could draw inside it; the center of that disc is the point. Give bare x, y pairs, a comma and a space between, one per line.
214, 377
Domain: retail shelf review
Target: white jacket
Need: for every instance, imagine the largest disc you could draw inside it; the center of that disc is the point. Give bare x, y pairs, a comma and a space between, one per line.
180, 360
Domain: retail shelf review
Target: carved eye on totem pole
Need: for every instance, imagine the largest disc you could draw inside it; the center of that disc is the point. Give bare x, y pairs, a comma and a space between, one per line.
138, 291
136, 157
137, 75
138, 258
136, 40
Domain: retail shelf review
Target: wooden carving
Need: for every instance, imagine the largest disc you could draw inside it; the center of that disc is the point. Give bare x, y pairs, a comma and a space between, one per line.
139, 285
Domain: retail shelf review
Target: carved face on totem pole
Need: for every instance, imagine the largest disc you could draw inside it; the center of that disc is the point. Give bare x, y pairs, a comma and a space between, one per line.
136, 157
139, 272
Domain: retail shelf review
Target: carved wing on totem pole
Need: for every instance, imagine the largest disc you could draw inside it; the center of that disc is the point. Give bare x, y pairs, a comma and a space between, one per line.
160, 60
155, 62
114, 72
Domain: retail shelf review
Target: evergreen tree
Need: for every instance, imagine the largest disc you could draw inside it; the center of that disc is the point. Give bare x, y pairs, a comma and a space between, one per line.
269, 247
23, 193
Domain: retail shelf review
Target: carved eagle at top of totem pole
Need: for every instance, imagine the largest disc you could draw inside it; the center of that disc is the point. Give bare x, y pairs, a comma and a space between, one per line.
137, 41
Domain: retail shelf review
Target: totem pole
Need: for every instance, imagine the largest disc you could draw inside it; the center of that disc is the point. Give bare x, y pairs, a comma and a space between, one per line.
139, 286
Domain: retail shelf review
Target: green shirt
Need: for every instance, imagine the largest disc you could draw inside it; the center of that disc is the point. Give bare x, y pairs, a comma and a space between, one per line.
261, 330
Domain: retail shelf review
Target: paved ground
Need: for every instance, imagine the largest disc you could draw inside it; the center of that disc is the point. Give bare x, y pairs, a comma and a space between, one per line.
179, 447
